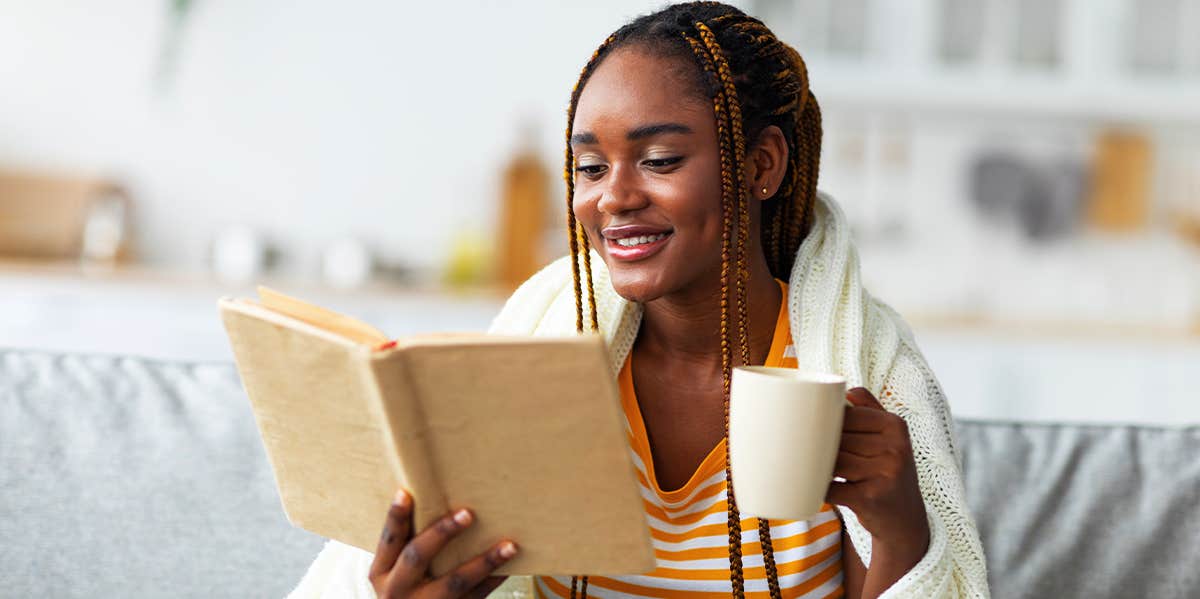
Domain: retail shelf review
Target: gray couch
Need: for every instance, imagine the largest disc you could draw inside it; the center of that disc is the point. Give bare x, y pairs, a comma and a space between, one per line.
126, 477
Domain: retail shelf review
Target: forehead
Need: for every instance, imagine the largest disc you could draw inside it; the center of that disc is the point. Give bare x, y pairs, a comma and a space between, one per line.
634, 87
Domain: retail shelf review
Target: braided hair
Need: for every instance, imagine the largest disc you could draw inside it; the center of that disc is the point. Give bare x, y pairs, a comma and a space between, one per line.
754, 80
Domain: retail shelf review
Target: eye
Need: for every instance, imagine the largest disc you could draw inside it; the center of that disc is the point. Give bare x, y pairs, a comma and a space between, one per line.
591, 171
662, 162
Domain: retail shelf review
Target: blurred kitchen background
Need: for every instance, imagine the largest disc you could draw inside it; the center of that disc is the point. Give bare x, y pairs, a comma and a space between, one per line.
1023, 175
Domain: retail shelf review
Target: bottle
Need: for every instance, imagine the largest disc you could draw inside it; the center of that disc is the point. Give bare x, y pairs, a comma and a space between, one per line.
524, 197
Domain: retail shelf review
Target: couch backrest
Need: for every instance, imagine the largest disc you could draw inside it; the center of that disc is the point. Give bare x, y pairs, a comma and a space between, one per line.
125, 477
1085, 511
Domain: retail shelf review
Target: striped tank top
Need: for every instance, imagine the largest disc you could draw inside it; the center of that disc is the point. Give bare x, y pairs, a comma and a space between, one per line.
689, 531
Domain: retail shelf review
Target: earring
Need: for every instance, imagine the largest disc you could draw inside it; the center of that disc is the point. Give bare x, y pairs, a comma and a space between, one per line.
764, 191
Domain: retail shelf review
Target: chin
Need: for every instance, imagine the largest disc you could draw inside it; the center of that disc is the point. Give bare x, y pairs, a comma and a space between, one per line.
636, 284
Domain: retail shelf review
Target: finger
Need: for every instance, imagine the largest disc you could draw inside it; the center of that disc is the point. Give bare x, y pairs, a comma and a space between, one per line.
847, 494
865, 420
486, 587
396, 529
473, 572
861, 397
863, 444
853, 468
418, 553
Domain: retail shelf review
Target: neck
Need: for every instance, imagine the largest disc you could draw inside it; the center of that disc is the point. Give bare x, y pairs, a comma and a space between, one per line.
687, 324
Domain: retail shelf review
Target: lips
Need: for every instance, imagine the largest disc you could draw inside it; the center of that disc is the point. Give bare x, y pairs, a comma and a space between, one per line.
629, 243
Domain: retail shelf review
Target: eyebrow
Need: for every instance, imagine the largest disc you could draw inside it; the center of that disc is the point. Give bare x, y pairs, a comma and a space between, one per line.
587, 137
656, 129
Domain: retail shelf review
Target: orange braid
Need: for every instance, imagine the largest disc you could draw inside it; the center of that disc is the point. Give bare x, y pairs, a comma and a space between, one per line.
805, 164
574, 232
595, 322
728, 194
733, 110
734, 115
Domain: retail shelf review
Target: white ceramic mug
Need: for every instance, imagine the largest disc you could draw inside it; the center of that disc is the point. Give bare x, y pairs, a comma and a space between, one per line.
785, 427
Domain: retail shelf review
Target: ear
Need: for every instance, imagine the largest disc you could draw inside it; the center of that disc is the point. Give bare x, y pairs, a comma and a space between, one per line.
766, 163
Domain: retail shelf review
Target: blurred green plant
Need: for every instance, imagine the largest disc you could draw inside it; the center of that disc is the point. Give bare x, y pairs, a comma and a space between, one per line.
168, 57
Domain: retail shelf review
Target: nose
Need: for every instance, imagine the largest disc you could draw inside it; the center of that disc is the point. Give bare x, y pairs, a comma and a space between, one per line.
621, 192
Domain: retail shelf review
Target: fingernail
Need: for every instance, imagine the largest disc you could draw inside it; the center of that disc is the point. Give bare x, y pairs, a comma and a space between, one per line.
463, 517
401, 498
507, 549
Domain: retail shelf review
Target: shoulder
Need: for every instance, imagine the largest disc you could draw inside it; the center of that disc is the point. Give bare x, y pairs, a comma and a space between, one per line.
524, 309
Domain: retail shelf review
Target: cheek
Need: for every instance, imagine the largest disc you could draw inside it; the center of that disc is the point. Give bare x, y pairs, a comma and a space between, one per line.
700, 203
583, 205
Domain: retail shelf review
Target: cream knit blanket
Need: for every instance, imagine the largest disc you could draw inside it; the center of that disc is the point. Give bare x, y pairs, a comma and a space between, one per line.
836, 327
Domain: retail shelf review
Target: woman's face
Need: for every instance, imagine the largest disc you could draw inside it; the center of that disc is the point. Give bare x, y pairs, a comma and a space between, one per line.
648, 175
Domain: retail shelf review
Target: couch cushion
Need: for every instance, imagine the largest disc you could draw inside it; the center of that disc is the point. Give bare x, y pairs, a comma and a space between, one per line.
1085, 511
125, 477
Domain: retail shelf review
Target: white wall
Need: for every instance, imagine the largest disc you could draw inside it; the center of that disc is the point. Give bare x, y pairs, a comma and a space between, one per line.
310, 119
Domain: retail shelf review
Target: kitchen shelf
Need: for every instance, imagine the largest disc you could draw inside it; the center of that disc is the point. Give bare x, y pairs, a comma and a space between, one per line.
1031, 96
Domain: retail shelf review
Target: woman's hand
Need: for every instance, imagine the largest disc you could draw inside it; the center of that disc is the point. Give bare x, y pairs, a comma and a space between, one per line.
401, 566
876, 460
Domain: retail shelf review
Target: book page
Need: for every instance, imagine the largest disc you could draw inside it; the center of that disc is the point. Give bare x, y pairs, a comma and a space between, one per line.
351, 328
316, 409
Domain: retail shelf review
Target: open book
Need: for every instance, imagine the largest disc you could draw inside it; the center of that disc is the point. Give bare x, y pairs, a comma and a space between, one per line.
527, 432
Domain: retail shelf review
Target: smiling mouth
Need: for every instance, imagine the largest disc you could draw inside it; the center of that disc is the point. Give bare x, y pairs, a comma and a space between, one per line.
636, 247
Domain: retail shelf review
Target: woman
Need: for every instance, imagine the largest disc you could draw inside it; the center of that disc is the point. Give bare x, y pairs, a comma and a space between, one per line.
699, 243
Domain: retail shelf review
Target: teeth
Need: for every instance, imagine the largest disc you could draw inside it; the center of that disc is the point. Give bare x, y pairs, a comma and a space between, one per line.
644, 239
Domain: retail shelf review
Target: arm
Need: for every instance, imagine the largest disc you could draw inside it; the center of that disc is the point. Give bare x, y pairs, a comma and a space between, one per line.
879, 482
854, 572
952, 565
860, 582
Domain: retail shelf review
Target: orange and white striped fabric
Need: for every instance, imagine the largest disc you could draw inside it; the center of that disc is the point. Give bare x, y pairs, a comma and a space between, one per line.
689, 531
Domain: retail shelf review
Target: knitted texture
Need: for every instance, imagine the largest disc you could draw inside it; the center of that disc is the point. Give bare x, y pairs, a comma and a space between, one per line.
836, 327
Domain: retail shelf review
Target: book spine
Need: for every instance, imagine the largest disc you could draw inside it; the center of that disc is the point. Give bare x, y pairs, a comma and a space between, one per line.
406, 433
